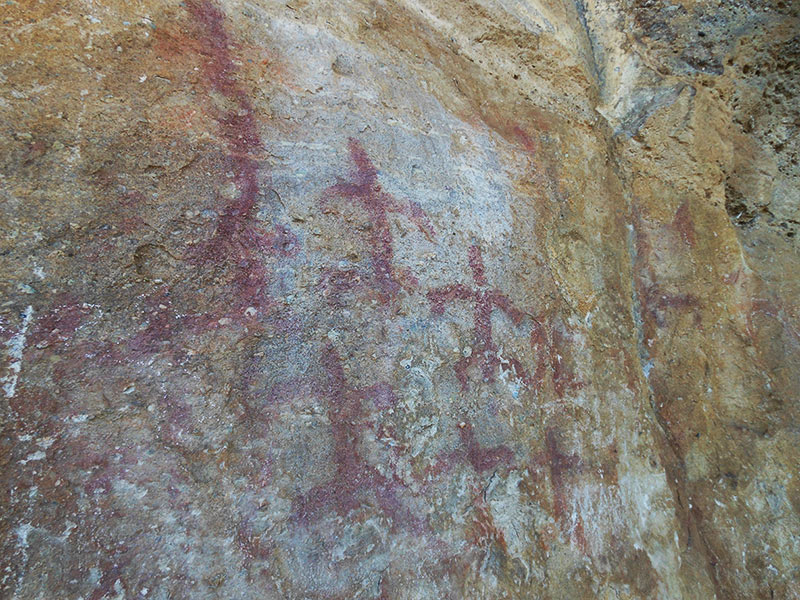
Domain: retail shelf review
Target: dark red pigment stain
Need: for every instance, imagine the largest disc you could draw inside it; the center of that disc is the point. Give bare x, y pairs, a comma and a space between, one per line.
364, 190
176, 423
562, 466
384, 589
60, 323
684, 225
656, 303
540, 344
33, 152
232, 247
257, 402
33, 411
127, 209
112, 571
163, 322
564, 380
354, 477
483, 532
631, 369
159, 329
250, 544
232, 252
103, 471
482, 458
549, 345
763, 307
112, 553
532, 147
235, 253
236, 239
486, 300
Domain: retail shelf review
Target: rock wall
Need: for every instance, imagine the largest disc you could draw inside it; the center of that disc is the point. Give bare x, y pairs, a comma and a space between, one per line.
400, 299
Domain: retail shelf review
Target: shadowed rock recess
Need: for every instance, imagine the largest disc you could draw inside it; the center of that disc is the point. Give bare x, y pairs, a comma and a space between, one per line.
399, 299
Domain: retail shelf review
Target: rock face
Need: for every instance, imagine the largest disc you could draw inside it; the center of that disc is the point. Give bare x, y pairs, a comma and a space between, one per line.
400, 299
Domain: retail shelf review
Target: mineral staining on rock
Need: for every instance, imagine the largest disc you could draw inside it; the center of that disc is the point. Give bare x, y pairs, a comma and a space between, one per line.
418, 299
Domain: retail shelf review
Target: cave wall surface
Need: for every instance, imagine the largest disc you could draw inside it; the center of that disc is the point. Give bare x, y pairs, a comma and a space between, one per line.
399, 299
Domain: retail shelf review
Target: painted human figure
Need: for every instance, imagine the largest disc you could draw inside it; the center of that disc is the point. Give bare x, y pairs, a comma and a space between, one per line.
364, 190
485, 300
353, 476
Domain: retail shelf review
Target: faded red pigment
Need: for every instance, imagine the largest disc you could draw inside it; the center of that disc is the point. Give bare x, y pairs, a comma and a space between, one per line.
162, 324
485, 300
655, 302
562, 467
481, 458
250, 544
484, 532
354, 476
549, 345
684, 225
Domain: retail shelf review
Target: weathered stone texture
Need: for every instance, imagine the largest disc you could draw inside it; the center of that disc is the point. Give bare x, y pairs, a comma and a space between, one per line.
399, 299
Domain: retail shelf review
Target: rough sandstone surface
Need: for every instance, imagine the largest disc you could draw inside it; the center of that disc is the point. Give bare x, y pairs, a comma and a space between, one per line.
409, 299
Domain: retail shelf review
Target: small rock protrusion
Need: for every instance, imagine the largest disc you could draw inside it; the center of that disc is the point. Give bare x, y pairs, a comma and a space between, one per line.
342, 65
